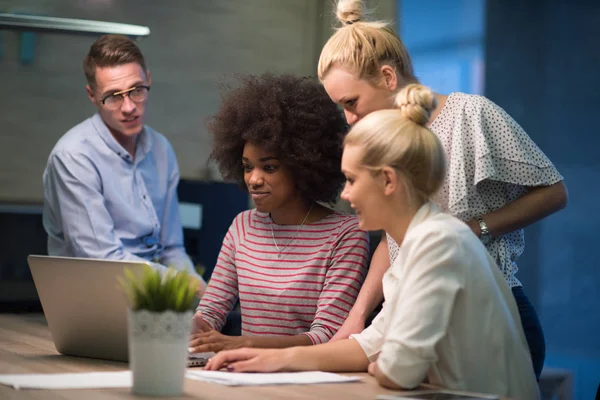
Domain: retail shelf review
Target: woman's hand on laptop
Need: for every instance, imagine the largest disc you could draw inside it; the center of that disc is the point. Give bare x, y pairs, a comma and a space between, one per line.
205, 341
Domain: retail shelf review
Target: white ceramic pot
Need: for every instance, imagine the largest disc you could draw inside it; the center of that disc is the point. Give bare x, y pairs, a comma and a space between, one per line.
158, 344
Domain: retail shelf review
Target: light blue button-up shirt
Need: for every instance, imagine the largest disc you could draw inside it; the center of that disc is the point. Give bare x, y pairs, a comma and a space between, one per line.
100, 202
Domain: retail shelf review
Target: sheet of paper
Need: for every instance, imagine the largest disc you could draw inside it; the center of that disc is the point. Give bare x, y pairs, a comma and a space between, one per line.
123, 379
88, 380
278, 378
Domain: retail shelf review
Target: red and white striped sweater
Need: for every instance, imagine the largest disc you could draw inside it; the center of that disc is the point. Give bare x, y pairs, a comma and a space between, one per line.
308, 290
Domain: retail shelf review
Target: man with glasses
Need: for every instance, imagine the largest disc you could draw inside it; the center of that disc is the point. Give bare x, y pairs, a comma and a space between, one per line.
110, 185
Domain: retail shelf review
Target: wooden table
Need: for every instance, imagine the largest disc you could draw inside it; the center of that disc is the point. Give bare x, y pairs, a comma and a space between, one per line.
26, 347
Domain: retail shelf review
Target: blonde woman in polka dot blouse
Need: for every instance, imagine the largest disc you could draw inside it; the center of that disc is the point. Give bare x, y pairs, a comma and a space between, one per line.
498, 180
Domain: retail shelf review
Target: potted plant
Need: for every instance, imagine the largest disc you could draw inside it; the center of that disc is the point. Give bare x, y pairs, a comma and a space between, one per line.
160, 321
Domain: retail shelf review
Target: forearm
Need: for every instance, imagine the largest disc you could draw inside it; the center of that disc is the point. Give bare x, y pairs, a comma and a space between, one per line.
343, 355
105, 250
371, 292
536, 204
222, 291
276, 342
219, 298
214, 309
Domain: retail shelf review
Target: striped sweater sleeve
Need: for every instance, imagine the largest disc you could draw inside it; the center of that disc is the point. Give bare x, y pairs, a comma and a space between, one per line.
343, 281
222, 290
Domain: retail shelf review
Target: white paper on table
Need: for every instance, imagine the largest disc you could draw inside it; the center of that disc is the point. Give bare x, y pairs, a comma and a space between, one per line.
277, 378
87, 380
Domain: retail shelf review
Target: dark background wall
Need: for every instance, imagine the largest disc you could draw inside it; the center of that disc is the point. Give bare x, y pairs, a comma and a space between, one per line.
542, 63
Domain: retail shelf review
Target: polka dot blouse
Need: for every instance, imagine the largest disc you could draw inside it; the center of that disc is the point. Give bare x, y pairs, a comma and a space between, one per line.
490, 161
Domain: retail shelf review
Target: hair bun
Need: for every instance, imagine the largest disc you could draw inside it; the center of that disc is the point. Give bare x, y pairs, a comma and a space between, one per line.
416, 102
349, 11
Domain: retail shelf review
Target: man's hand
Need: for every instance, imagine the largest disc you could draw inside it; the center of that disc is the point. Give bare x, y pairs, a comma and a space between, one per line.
350, 326
251, 360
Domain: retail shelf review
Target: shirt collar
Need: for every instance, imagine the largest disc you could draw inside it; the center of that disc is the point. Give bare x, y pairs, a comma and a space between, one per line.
143, 146
427, 210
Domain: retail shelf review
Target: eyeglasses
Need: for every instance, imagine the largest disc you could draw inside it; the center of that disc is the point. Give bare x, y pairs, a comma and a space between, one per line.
137, 94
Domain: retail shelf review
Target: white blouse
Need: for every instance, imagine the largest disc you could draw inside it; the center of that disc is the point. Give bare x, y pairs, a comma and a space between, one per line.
490, 161
449, 315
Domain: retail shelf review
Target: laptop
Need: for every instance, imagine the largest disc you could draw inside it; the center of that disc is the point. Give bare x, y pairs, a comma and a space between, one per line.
85, 309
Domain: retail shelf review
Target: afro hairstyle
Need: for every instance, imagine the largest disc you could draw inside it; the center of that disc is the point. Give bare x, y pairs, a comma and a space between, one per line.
289, 115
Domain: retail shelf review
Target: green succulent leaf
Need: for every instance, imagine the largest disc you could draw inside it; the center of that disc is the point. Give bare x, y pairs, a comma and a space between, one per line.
155, 291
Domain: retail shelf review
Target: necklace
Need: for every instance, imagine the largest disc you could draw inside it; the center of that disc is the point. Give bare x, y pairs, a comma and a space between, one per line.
279, 251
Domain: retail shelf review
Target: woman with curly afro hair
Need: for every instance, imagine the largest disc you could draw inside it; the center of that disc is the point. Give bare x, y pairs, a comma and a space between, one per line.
295, 265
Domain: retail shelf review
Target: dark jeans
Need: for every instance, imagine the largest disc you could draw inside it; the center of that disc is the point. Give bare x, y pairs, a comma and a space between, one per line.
533, 330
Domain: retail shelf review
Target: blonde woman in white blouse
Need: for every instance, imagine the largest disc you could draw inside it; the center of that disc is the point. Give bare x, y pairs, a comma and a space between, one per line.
449, 316
498, 181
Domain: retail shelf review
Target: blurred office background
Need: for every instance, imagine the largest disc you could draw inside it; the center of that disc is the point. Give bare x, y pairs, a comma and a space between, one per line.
537, 59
